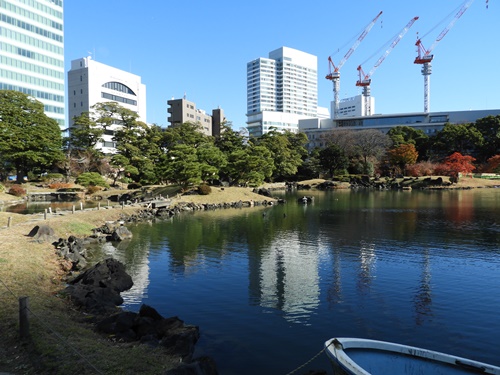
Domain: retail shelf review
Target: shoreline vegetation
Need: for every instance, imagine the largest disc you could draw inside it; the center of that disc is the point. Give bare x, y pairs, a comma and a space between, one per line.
62, 340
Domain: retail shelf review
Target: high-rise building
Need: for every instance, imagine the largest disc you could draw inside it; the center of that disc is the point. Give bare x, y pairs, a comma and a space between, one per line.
281, 89
91, 82
32, 52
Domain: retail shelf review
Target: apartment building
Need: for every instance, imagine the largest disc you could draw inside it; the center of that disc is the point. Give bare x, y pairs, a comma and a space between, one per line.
184, 111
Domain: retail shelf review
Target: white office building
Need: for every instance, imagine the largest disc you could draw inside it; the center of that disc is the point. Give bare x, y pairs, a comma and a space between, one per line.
91, 82
32, 52
282, 89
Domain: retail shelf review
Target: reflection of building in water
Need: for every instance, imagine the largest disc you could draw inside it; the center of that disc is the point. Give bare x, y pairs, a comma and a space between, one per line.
423, 296
367, 260
289, 277
136, 266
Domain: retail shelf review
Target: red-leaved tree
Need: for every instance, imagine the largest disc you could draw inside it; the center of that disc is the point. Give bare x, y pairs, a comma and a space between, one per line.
457, 163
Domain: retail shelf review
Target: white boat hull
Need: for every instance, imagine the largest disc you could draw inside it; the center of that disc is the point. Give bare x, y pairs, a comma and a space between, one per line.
351, 356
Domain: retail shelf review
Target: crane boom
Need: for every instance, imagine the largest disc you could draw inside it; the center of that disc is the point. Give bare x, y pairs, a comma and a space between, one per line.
424, 55
365, 79
334, 73
351, 50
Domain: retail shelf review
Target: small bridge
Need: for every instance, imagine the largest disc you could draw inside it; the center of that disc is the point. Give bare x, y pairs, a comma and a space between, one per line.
68, 196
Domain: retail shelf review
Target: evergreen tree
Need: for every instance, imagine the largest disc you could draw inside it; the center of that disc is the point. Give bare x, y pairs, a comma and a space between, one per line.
29, 139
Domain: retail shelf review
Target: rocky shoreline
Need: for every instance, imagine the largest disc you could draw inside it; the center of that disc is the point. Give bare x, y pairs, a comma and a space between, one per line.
95, 291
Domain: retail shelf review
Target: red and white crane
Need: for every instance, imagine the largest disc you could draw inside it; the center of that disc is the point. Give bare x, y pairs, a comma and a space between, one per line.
334, 71
425, 57
365, 79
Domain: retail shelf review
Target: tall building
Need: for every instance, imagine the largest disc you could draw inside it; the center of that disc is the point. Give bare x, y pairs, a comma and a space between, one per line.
281, 89
184, 111
91, 82
32, 52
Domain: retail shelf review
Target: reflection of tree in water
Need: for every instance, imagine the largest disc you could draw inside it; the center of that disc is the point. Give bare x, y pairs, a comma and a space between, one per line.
367, 261
423, 296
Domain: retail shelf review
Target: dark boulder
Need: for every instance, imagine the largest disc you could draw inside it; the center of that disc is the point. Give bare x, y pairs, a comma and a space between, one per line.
97, 290
149, 327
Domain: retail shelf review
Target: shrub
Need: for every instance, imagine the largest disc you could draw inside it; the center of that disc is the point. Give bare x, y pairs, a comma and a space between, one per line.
2, 188
52, 177
204, 189
17, 190
91, 189
420, 169
134, 185
91, 178
59, 185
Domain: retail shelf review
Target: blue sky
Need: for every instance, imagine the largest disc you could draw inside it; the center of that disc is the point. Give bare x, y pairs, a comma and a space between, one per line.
200, 48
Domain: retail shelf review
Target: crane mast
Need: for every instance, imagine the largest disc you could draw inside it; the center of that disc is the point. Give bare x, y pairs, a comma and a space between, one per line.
334, 73
365, 79
425, 56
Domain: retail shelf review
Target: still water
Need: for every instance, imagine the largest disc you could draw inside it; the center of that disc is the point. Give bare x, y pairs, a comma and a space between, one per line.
267, 286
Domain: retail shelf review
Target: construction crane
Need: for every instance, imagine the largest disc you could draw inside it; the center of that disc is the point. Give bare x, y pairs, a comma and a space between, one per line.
425, 57
334, 71
365, 79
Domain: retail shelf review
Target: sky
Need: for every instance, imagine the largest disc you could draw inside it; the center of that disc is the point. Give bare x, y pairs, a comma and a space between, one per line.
200, 48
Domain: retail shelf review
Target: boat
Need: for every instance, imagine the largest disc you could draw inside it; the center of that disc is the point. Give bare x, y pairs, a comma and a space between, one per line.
355, 356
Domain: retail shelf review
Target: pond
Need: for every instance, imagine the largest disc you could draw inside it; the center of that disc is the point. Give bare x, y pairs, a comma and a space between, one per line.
268, 286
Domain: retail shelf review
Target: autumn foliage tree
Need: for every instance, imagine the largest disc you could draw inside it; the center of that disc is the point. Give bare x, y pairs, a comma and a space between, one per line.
457, 163
403, 155
493, 165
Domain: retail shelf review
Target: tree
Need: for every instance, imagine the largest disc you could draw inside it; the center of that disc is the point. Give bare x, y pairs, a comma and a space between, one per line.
29, 139
462, 138
286, 152
250, 165
403, 155
211, 159
489, 127
81, 152
183, 166
406, 134
493, 165
370, 145
85, 133
229, 140
333, 159
311, 167
458, 163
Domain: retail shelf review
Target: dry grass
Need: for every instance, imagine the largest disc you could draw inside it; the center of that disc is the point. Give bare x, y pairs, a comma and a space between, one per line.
31, 269
223, 195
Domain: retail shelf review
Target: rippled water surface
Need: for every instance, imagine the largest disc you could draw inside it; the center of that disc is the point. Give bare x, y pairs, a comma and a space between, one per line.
267, 286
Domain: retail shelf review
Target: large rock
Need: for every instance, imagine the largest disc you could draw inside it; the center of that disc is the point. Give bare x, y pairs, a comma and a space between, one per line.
120, 234
98, 289
150, 328
42, 233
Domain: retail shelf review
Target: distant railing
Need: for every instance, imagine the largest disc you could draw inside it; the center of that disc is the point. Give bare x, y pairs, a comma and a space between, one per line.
488, 176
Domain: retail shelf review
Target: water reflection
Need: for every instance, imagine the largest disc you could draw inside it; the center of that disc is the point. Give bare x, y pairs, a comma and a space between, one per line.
399, 267
288, 278
423, 294
367, 263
